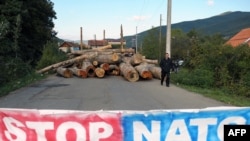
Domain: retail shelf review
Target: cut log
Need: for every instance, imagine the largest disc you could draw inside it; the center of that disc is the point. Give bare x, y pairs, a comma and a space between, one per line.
143, 71
67, 62
78, 72
126, 59
108, 58
106, 51
65, 72
95, 63
102, 47
113, 70
129, 72
150, 61
100, 72
156, 71
89, 68
136, 59
105, 66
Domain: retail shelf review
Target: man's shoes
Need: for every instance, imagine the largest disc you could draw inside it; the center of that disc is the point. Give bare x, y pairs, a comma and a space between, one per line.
161, 83
167, 85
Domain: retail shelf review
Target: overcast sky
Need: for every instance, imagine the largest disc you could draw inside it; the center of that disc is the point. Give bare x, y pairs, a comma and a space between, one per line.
94, 16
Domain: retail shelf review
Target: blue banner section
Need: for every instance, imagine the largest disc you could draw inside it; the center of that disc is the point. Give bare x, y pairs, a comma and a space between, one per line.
200, 125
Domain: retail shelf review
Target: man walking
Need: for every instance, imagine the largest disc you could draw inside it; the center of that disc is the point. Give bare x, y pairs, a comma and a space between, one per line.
166, 65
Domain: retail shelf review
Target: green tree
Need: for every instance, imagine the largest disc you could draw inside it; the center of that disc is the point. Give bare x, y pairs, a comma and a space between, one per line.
151, 44
25, 27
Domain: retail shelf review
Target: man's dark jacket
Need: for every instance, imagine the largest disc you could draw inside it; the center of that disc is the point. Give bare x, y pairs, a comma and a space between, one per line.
166, 65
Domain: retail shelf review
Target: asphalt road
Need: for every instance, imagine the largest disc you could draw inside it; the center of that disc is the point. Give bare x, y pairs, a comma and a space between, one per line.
109, 93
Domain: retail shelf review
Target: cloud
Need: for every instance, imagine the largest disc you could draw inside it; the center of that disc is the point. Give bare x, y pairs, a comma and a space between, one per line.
139, 18
210, 2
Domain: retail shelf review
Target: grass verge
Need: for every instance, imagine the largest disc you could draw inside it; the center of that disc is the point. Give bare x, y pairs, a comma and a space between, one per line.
16, 84
219, 95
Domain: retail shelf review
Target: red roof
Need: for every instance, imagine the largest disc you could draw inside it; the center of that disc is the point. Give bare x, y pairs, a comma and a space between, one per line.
97, 42
243, 37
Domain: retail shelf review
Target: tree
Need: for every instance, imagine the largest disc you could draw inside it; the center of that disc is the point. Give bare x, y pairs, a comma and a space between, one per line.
151, 44
28, 26
25, 27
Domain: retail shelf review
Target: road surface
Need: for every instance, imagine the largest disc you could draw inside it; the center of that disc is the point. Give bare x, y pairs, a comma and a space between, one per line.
109, 93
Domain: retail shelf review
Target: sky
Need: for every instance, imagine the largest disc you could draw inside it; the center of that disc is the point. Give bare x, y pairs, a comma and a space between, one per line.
135, 16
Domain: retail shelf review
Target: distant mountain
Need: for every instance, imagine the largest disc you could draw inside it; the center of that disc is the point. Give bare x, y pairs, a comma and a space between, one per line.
226, 24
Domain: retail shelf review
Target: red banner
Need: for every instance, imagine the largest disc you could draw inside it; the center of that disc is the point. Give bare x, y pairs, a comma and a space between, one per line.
31, 125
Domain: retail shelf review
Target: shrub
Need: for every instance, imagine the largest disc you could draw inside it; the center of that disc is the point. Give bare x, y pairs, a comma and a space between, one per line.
51, 55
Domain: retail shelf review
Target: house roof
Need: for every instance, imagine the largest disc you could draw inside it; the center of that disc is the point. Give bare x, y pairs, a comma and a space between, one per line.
243, 37
69, 44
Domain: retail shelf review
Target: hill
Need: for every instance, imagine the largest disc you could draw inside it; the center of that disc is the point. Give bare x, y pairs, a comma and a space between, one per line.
226, 24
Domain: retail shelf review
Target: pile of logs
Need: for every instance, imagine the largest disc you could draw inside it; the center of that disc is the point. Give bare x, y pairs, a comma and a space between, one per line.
104, 61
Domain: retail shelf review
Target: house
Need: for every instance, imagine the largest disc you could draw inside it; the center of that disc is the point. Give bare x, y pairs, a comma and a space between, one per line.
243, 37
69, 46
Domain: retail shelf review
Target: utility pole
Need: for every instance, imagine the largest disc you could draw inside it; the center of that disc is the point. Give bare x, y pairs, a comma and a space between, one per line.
160, 39
95, 41
168, 40
81, 44
136, 41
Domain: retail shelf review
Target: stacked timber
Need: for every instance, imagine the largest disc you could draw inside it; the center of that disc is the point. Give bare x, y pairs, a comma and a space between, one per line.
103, 61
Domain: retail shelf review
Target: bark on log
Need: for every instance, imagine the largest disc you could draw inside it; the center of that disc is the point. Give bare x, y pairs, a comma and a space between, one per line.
129, 72
67, 62
102, 47
156, 71
78, 72
150, 61
100, 72
65, 72
143, 70
105, 66
106, 51
89, 68
113, 70
108, 58
136, 59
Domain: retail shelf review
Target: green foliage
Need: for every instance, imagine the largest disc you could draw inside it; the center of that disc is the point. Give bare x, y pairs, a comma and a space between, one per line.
20, 82
27, 26
151, 45
212, 64
12, 69
198, 77
51, 55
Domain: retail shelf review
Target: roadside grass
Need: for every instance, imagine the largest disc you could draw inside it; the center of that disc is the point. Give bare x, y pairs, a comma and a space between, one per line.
220, 95
16, 84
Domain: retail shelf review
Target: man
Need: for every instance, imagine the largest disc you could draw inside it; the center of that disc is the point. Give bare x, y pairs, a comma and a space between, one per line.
166, 65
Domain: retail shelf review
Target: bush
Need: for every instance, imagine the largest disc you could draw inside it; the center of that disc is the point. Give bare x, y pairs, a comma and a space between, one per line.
198, 77
12, 69
51, 55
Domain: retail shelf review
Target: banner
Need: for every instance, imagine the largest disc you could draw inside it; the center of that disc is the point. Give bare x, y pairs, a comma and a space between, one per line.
156, 125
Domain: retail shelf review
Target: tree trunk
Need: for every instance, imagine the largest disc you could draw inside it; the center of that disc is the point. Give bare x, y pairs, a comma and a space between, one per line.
103, 47
100, 72
108, 58
78, 72
67, 62
65, 72
129, 72
136, 59
89, 68
113, 70
150, 61
156, 71
105, 66
144, 72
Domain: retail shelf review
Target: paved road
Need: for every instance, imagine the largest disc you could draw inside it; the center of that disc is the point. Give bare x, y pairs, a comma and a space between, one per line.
109, 93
